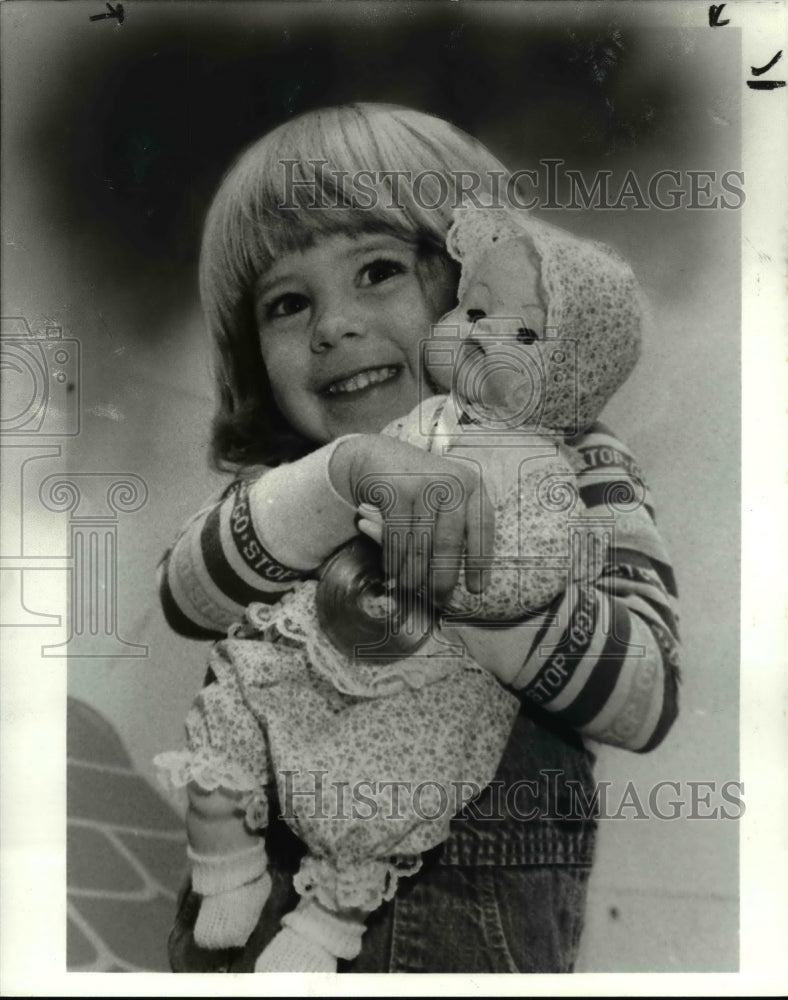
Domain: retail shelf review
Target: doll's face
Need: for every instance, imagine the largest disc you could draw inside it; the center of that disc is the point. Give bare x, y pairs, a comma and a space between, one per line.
505, 284
526, 360
502, 310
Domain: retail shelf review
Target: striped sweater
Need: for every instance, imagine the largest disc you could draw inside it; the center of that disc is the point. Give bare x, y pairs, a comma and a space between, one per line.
603, 657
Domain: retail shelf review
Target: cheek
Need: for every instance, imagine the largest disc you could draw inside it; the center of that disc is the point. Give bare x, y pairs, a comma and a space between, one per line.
408, 324
273, 367
282, 367
439, 278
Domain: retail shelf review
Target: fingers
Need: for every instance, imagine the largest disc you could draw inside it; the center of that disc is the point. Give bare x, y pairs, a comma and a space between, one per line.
417, 546
372, 529
474, 541
370, 522
406, 551
480, 539
403, 550
432, 543
411, 538
448, 549
424, 543
488, 529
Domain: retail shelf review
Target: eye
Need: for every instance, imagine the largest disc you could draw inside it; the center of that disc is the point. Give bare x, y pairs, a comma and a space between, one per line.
285, 305
525, 335
380, 270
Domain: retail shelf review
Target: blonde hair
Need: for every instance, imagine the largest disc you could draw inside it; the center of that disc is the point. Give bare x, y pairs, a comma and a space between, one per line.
287, 191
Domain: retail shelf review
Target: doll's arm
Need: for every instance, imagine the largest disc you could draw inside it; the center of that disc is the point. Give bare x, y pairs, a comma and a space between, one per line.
229, 868
253, 543
604, 657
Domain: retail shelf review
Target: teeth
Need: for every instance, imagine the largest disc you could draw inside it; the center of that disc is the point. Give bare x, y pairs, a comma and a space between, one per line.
362, 380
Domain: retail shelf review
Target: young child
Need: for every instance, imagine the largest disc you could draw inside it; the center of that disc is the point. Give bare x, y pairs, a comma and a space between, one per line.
307, 709
343, 300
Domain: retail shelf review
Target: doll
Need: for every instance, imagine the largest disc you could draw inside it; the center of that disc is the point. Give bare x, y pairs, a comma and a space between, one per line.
321, 684
525, 364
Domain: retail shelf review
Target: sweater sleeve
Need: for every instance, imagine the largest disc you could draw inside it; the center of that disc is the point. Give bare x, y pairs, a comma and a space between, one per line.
253, 543
604, 656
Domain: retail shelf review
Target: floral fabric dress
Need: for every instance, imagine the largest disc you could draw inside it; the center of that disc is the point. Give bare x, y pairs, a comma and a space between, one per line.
368, 762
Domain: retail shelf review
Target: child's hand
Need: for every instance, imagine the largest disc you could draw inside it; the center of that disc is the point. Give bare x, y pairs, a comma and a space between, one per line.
432, 508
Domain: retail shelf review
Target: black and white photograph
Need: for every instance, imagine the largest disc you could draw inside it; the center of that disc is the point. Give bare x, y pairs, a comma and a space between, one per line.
392, 447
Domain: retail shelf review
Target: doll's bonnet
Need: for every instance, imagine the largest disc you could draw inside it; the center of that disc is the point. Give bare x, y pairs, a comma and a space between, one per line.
594, 311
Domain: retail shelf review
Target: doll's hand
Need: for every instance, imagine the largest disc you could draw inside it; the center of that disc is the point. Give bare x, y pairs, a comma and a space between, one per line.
501, 651
432, 511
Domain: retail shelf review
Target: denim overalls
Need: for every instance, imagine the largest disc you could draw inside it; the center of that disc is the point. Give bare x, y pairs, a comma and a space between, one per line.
505, 893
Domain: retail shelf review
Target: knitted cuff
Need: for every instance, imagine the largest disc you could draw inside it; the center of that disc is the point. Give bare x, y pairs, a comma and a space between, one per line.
212, 874
339, 935
289, 952
227, 919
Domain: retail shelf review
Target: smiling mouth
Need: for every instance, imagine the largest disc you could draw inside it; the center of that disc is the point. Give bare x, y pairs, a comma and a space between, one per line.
362, 380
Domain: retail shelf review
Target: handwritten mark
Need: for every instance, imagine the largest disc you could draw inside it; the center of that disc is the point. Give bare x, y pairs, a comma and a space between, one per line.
715, 10
757, 71
116, 12
765, 84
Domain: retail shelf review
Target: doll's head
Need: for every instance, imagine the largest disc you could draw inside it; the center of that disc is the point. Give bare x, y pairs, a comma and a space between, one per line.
547, 325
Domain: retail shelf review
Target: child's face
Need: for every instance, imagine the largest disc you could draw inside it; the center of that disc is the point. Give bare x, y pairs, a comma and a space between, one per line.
340, 328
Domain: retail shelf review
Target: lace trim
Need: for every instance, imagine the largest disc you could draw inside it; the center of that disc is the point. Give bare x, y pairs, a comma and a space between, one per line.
365, 885
473, 232
211, 770
294, 620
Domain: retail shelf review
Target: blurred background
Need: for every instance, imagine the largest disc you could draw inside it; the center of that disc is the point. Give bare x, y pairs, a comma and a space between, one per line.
114, 138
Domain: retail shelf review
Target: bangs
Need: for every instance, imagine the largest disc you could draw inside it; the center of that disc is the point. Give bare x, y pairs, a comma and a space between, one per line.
336, 171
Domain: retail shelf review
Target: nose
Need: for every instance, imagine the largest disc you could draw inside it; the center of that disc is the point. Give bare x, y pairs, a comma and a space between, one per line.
497, 331
333, 325
461, 321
